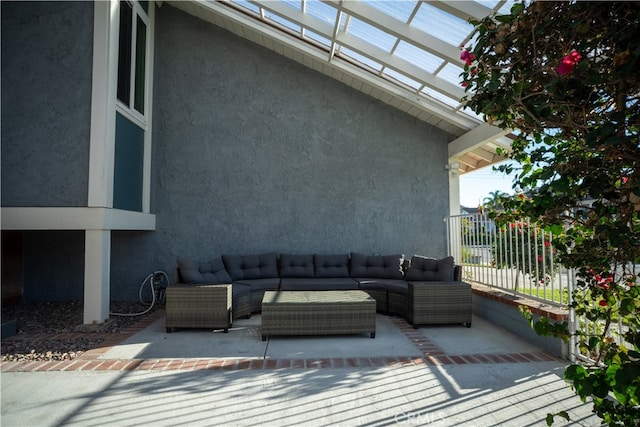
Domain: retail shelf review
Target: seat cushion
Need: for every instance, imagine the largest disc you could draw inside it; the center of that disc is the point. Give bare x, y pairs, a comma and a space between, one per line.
331, 265
376, 284
242, 267
399, 287
377, 266
430, 269
213, 271
318, 284
271, 284
296, 265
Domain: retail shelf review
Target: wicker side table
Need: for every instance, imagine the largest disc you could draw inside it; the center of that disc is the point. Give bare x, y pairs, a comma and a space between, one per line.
318, 313
439, 303
198, 306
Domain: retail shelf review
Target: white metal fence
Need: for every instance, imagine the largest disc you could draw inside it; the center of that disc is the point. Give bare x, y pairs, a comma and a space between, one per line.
518, 258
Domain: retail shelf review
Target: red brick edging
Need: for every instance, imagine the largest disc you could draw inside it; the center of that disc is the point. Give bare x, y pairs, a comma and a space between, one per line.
432, 355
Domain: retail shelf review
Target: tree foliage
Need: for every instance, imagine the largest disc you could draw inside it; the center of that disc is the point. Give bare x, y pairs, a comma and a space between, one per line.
565, 77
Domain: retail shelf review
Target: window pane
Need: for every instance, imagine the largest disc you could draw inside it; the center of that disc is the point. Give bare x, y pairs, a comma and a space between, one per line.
141, 44
124, 53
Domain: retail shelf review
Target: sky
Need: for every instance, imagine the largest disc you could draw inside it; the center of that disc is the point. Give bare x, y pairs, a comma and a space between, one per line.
475, 186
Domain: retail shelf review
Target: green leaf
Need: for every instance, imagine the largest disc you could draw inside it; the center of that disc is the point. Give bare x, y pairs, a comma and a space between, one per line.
627, 306
549, 419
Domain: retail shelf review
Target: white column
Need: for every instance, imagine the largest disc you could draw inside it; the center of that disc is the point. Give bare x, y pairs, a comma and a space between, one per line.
97, 252
454, 187
453, 230
97, 261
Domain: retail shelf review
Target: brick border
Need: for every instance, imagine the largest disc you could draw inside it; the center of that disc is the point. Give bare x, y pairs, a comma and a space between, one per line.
432, 355
536, 307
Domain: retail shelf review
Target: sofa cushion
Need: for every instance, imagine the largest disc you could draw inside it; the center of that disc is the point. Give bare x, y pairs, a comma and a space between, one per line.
376, 284
399, 287
271, 284
212, 271
430, 269
377, 266
318, 284
331, 265
242, 267
296, 265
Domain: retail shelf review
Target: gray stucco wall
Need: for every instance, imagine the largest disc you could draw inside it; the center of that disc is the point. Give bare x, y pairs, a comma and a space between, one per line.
253, 152
46, 102
508, 317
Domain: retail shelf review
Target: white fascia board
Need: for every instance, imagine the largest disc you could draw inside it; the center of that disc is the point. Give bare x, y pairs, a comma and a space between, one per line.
475, 138
75, 218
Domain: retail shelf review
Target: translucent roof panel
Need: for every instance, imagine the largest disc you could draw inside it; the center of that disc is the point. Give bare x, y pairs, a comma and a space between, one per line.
450, 72
283, 21
414, 84
318, 38
252, 7
418, 57
400, 9
441, 24
321, 11
372, 35
374, 65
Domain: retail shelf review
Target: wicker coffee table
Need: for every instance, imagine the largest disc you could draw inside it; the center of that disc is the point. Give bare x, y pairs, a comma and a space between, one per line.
317, 313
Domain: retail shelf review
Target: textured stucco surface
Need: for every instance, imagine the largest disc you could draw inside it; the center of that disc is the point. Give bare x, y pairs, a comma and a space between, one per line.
253, 153
46, 102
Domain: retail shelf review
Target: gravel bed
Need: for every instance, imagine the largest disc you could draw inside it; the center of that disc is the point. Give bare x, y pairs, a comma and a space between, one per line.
58, 318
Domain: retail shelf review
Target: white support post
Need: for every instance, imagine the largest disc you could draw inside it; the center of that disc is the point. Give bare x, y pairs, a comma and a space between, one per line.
454, 187
453, 227
97, 261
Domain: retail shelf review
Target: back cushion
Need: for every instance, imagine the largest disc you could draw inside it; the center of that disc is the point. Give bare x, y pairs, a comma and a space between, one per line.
377, 266
203, 272
331, 265
296, 265
430, 269
240, 267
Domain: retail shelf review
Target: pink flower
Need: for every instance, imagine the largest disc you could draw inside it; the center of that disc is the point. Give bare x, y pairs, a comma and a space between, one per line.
569, 63
603, 282
625, 179
467, 57
547, 243
464, 84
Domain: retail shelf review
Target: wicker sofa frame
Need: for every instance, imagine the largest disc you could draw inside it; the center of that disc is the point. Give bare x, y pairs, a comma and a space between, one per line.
423, 290
199, 306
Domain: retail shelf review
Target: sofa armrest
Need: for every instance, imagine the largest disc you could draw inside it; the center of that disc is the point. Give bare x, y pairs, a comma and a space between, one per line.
198, 306
440, 303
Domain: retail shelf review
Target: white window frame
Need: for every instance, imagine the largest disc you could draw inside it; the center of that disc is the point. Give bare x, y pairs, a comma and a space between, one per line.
129, 111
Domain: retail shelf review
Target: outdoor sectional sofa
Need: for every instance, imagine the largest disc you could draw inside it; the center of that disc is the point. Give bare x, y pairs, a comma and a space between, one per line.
422, 290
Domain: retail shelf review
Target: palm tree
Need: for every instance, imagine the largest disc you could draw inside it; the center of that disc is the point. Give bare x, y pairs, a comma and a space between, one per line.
494, 199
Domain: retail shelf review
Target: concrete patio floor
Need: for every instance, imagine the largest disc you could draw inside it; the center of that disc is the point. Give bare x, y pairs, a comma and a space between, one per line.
435, 375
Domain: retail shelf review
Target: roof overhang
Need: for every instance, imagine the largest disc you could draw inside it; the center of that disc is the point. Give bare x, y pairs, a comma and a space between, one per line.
428, 96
